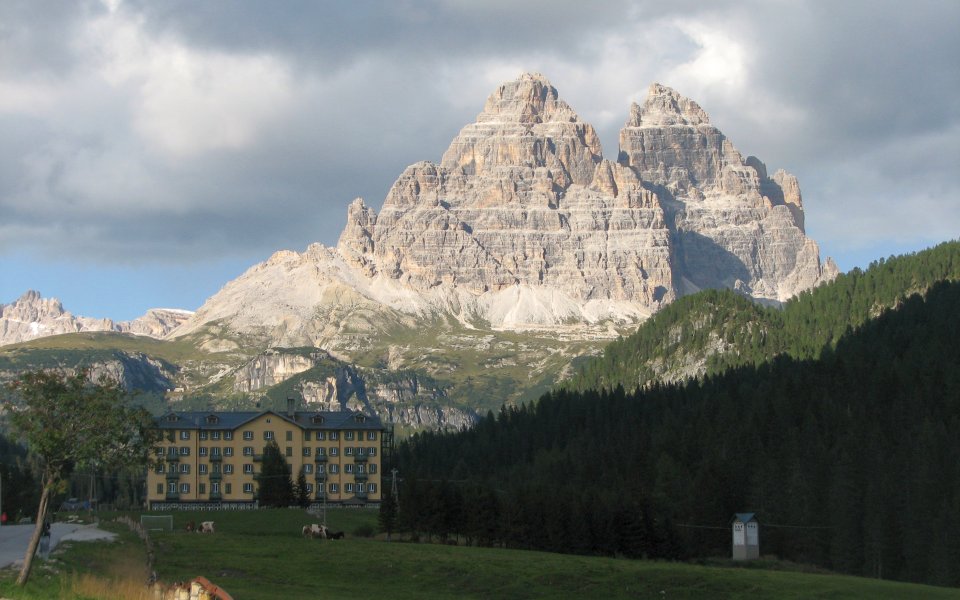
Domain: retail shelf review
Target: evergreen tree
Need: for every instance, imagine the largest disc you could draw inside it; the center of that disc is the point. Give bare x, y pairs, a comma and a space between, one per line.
300, 490
275, 484
388, 514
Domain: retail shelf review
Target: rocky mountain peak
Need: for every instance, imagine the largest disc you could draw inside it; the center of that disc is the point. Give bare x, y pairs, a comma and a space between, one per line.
665, 107
528, 99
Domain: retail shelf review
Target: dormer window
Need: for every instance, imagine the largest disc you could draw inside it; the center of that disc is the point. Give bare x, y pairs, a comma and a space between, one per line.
317, 419
212, 419
360, 418
172, 418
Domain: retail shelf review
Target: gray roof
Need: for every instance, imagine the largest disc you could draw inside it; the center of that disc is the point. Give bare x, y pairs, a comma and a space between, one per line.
229, 420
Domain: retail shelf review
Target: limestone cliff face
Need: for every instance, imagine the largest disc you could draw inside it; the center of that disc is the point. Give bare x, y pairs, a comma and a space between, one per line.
32, 316
732, 225
523, 224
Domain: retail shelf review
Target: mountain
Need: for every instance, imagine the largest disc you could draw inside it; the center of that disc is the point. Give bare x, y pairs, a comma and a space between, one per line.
524, 225
710, 332
486, 276
32, 316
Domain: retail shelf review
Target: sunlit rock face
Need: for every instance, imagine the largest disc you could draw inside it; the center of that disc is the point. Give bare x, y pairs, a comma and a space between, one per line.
524, 224
733, 225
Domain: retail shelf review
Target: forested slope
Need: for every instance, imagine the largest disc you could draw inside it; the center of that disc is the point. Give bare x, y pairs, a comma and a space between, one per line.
849, 459
711, 331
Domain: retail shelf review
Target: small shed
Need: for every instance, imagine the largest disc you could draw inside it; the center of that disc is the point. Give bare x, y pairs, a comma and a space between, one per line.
746, 536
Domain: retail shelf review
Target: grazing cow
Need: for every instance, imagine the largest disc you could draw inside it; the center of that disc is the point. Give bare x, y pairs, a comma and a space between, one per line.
206, 527
337, 535
316, 530
191, 526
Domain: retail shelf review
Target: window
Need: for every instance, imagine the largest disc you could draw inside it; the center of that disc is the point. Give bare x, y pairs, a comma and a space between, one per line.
172, 451
159, 488
228, 488
348, 468
248, 450
334, 435
321, 451
334, 488
309, 488
213, 419
372, 488
289, 451
372, 436
307, 451
216, 467
268, 435
203, 468
248, 435
204, 435
334, 469
203, 450
360, 468
215, 451
184, 450
248, 468
372, 451
172, 487
159, 468
248, 488
215, 487
348, 451
228, 435
227, 469
289, 436
228, 451
184, 468
308, 468
306, 435
348, 488
201, 488
334, 451
361, 488
184, 488
348, 435
373, 468
159, 451
184, 435
361, 450
321, 469
321, 435
214, 435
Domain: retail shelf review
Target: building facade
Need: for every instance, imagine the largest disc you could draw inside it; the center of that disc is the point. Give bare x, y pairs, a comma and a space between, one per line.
212, 459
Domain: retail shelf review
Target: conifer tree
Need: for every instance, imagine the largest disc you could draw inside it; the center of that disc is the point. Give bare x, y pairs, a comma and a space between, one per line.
276, 486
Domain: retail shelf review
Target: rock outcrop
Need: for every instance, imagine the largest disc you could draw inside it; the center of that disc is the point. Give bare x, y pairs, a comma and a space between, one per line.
524, 225
32, 316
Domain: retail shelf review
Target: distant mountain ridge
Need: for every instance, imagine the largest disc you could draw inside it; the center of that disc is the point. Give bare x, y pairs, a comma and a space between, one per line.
32, 316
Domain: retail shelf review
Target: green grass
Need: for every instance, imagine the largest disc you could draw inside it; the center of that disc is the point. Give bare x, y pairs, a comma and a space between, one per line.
262, 555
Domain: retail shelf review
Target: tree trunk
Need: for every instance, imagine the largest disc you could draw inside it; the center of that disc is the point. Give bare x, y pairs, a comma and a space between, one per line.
37, 531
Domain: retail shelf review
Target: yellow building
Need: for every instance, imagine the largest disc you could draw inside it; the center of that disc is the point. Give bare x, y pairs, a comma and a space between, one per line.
211, 459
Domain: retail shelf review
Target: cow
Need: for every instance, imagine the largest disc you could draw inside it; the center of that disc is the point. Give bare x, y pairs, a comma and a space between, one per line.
316, 530
206, 527
336, 535
191, 526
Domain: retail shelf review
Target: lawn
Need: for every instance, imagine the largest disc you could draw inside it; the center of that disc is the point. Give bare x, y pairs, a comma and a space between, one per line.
261, 555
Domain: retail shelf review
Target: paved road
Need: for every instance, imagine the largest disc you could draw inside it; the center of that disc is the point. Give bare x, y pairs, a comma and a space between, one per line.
14, 540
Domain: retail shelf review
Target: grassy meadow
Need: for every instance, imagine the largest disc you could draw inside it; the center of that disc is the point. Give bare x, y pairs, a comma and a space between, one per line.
261, 555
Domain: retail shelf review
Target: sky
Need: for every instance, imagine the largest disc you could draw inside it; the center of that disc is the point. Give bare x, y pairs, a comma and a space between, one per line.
152, 151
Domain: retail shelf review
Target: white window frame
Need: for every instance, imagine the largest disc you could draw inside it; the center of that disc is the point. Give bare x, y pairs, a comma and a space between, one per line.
248, 488
247, 469
248, 435
184, 488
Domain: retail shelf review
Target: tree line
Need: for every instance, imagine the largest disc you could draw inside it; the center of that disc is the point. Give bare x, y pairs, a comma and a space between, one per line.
848, 459
727, 330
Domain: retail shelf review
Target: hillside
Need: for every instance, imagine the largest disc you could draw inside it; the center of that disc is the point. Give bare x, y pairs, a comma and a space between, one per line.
848, 458
709, 332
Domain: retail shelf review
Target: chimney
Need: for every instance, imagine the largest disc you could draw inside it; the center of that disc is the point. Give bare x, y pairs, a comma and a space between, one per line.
291, 405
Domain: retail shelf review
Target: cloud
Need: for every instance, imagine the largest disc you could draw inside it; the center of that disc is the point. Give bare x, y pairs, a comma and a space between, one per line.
145, 133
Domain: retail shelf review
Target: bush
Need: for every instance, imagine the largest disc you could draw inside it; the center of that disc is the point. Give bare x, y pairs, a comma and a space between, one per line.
366, 530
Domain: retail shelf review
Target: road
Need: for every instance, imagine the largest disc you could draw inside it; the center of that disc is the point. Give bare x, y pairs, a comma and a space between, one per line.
14, 540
